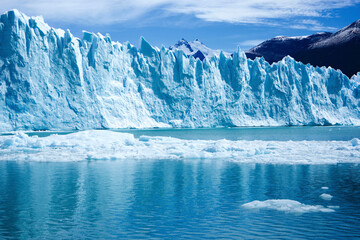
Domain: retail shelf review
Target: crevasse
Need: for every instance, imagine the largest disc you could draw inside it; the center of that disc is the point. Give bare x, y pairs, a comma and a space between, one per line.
50, 79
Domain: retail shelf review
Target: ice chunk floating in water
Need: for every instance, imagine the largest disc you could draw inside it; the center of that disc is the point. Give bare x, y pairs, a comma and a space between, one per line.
326, 197
107, 145
286, 205
94, 82
355, 142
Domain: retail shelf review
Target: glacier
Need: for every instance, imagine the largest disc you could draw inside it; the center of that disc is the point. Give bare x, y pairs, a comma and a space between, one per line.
51, 80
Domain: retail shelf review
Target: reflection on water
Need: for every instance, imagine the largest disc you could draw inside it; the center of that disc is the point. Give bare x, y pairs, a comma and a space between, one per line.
309, 133
182, 199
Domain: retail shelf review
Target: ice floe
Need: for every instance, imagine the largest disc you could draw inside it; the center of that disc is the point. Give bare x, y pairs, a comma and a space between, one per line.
286, 205
110, 145
326, 197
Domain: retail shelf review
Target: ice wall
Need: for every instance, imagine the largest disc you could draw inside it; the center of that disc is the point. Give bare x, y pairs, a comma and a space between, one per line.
52, 80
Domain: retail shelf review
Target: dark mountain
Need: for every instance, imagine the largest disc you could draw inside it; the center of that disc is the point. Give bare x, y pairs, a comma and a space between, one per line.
275, 49
340, 50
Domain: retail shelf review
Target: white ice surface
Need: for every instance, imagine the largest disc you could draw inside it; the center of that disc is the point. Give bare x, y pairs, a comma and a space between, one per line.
103, 144
286, 205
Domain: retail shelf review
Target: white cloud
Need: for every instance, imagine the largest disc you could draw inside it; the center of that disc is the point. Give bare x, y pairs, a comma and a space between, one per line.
234, 11
85, 11
250, 43
311, 25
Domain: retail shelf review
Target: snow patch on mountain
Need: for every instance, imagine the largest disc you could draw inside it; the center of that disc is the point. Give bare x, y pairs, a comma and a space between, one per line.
196, 49
342, 36
276, 48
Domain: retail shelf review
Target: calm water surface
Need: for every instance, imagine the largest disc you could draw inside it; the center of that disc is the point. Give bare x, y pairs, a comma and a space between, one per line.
333, 133
327, 133
173, 199
187, 199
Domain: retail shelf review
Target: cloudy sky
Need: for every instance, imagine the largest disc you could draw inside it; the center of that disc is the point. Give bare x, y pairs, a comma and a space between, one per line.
220, 24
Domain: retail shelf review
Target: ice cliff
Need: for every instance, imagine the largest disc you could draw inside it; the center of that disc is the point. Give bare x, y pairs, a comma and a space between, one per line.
50, 79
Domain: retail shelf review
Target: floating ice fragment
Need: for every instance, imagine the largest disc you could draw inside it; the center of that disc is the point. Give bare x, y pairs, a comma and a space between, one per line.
355, 142
325, 188
326, 197
286, 205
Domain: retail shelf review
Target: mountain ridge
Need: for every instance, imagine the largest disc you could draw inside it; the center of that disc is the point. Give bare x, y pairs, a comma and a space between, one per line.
340, 50
196, 49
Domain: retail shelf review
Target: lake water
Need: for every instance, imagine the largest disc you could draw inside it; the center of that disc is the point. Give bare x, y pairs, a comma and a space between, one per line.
182, 199
336, 133
328, 133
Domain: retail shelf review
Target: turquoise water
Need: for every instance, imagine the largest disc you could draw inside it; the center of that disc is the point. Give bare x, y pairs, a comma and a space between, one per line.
173, 199
333, 133
180, 199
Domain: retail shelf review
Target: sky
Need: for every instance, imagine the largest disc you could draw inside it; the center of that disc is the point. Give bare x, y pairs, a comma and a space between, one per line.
219, 24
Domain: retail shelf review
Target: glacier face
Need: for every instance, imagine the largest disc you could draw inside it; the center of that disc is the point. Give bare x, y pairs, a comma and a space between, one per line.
50, 79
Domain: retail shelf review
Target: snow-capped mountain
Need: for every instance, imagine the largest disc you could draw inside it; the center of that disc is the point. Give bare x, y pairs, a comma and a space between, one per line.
50, 79
343, 36
196, 49
275, 49
340, 50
